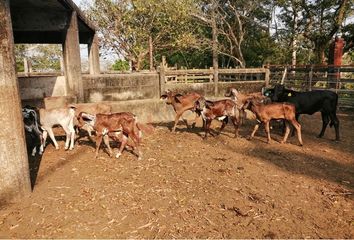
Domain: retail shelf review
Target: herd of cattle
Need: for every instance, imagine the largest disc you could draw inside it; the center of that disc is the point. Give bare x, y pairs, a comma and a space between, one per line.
277, 103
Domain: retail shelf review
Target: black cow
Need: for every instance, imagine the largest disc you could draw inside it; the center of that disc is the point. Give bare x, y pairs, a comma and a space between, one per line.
33, 134
323, 101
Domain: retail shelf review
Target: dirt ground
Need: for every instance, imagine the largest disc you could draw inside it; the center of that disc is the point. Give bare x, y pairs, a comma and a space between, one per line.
186, 187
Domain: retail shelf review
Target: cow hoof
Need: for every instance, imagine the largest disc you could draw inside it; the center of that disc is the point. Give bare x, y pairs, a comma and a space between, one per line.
118, 155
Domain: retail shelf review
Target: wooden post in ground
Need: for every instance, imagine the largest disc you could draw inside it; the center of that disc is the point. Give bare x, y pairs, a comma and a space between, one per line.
162, 75
267, 76
14, 170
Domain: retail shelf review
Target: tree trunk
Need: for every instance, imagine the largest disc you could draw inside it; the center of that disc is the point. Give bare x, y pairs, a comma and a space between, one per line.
151, 57
294, 39
215, 50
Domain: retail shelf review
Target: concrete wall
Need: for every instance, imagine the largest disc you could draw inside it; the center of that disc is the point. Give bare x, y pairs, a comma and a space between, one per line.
137, 93
37, 87
120, 87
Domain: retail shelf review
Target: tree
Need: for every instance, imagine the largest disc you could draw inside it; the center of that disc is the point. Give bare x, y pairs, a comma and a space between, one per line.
290, 16
120, 65
323, 19
133, 28
43, 57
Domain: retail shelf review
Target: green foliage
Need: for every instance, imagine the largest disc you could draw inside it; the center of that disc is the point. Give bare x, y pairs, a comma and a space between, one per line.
127, 26
43, 57
120, 65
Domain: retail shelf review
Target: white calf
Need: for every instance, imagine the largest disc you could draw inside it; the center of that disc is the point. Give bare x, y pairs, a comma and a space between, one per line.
58, 116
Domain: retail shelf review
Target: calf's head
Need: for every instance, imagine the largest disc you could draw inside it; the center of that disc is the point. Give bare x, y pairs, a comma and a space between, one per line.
170, 97
231, 92
84, 118
278, 92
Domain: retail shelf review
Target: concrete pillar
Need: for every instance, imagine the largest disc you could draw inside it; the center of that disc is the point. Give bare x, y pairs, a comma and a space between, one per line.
25, 66
72, 60
14, 170
62, 65
93, 55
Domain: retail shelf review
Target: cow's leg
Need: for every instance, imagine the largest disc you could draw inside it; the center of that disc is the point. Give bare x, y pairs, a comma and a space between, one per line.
207, 128
266, 126
254, 131
297, 126
335, 122
34, 151
68, 137
185, 122
106, 142
195, 120
51, 135
292, 132
136, 139
235, 123
121, 148
287, 131
224, 123
325, 121
44, 139
72, 139
178, 115
98, 143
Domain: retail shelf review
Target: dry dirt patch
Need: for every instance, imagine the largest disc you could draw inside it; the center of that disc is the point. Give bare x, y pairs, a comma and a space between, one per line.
189, 188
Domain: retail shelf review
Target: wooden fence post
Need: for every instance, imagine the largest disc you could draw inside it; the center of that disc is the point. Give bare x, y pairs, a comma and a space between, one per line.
310, 78
284, 75
267, 77
162, 75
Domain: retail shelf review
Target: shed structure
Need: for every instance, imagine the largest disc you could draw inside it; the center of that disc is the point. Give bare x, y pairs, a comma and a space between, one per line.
35, 21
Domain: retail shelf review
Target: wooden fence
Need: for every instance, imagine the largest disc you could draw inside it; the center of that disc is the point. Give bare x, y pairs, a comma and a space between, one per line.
207, 75
339, 79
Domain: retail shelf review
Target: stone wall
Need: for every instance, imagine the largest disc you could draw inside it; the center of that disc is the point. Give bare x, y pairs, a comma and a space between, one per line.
38, 87
120, 87
138, 93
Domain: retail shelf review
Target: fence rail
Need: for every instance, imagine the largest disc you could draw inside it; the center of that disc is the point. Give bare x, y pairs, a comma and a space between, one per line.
207, 75
339, 79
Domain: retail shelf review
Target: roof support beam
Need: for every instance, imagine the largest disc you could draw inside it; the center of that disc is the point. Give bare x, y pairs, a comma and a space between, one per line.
14, 170
72, 60
93, 55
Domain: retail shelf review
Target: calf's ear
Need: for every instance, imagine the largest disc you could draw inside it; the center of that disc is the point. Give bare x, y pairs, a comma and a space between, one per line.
209, 104
177, 96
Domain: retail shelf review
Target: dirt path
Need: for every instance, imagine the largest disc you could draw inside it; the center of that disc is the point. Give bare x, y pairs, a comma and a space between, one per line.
189, 188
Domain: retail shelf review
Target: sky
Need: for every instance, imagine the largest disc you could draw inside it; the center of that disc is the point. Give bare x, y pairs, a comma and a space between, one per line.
107, 61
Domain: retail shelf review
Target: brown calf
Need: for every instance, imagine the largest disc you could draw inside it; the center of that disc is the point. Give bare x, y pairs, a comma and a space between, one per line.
221, 110
267, 112
241, 98
113, 125
180, 104
90, 108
